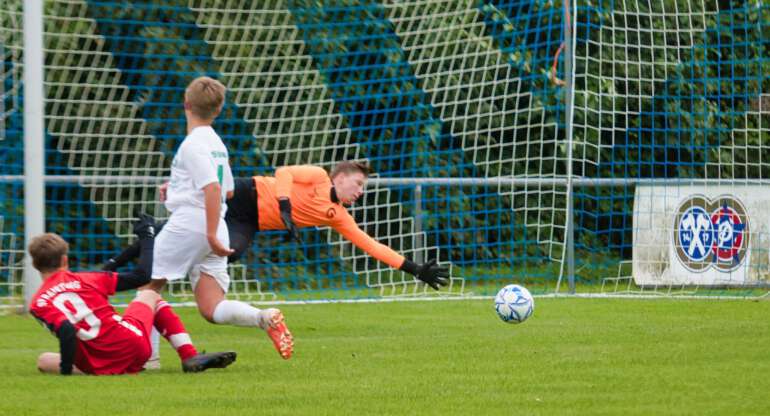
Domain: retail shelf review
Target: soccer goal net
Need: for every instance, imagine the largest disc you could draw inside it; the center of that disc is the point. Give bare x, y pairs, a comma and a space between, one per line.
674, 94
486, 122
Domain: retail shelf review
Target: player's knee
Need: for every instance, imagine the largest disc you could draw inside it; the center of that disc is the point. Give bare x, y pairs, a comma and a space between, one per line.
208, 294
207, 314
156, 285
206, 308
148, 297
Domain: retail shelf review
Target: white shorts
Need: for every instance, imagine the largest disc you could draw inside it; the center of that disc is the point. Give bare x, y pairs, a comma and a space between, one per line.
180, 250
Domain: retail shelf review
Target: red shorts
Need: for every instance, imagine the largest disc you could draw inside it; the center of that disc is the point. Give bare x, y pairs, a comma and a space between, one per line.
141, 316
127, 346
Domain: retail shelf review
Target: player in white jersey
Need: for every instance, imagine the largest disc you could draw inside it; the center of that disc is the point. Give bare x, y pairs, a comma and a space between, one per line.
195, 239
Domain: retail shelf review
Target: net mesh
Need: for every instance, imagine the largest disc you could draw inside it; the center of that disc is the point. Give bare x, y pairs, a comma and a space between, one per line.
673, 91
669, 90
11, 156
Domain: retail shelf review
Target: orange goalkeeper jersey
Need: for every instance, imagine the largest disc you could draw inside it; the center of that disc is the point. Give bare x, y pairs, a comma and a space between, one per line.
309, 190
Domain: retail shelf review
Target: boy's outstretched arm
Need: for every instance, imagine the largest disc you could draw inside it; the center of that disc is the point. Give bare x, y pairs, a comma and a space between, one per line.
431, 273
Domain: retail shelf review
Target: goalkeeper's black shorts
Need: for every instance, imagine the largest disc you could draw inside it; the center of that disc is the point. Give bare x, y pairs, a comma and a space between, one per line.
242, 217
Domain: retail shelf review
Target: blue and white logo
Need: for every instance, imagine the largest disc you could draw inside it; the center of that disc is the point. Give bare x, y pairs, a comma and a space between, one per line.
711, 233
696, 233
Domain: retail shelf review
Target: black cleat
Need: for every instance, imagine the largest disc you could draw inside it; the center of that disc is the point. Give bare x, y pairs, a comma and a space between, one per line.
202, 362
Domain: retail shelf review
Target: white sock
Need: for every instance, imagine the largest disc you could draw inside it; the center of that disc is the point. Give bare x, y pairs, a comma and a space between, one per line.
155, 343
233, 312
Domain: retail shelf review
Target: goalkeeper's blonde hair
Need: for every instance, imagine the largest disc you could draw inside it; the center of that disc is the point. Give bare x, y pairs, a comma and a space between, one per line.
204, 97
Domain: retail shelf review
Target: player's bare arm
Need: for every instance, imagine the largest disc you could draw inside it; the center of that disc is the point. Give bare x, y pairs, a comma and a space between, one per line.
212, 195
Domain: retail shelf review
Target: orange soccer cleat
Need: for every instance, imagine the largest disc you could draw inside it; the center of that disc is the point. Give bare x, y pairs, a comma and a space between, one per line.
278, 332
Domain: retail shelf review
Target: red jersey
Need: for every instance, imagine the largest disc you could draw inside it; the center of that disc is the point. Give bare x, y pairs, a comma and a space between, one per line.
106, 344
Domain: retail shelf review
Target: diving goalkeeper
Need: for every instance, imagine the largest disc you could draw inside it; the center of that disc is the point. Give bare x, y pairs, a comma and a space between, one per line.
305, 196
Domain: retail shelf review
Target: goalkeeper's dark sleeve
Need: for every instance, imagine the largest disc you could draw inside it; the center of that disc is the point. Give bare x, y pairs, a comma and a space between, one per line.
67, 344
125, 256
143, 273
131, 252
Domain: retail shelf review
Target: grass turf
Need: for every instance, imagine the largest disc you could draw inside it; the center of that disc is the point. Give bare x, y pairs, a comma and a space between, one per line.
574, 356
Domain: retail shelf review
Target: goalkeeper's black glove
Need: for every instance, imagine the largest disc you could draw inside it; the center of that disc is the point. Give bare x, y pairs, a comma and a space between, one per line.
144, 227
430, 273
292, 232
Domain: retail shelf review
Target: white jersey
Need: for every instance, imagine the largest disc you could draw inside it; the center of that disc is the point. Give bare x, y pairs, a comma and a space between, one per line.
201, 160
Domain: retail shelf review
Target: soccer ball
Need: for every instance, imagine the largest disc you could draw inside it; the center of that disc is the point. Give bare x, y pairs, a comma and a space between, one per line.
514, 304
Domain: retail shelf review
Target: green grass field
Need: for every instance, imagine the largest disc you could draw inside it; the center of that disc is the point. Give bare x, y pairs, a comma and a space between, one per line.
574, 356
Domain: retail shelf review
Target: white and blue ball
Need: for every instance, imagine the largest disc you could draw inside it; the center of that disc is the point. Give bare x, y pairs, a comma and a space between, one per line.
514, 304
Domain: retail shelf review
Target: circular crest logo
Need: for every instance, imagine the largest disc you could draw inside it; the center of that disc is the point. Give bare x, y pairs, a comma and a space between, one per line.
711, 233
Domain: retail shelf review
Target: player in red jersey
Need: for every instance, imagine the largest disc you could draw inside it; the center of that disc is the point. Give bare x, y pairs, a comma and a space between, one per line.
93, 338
